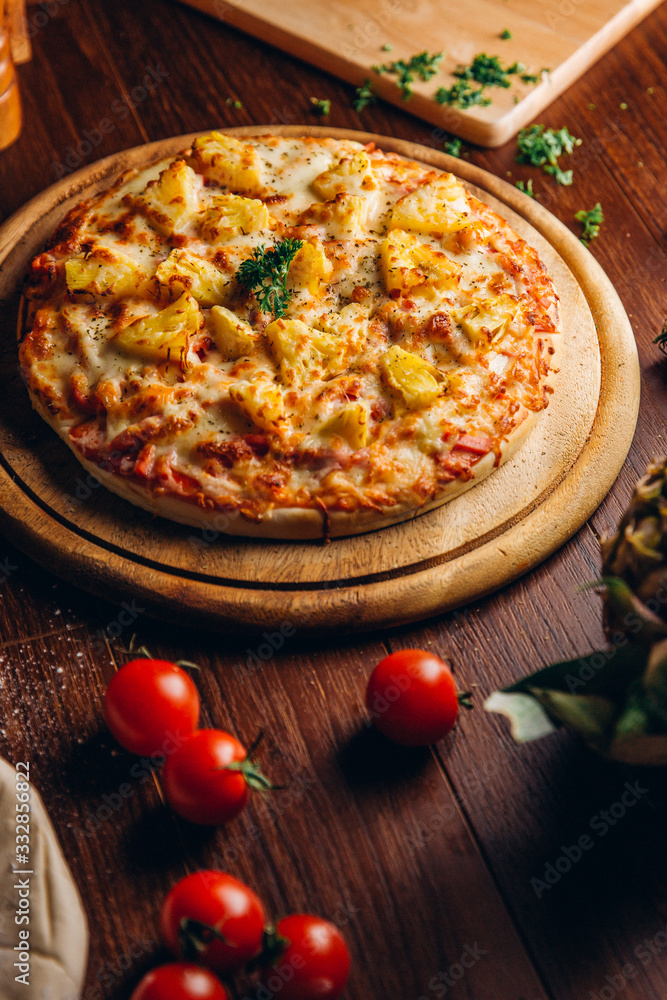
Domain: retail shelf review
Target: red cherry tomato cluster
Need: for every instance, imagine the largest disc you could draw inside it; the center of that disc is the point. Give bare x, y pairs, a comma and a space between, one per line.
152, 709
212, 923
216, 925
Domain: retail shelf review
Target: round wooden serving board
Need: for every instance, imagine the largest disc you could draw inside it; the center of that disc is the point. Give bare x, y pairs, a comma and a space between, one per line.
56, 513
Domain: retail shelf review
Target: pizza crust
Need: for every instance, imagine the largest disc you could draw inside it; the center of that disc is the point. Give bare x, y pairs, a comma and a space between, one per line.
291, 523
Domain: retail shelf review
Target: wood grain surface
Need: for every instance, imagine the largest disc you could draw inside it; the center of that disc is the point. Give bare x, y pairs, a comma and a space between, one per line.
418, 856
347, 37
434, 562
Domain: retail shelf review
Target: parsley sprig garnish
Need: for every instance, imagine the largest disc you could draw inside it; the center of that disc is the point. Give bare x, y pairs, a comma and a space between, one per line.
265, 274
541, 148
422, 65
591, 221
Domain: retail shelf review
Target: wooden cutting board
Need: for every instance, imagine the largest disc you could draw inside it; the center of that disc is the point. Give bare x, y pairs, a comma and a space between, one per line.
483, 539
346, 38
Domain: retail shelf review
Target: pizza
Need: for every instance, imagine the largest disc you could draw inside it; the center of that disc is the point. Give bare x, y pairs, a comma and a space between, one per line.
294, 337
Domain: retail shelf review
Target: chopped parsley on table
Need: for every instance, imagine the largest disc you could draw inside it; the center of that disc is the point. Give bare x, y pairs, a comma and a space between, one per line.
505, 34
321, 106
364, 96
453, 147
541, 147
422, 65
462, 95
485, 71
265, 274
591, 221
526, 187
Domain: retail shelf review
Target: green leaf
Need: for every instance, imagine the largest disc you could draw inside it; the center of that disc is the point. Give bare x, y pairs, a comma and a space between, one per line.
590, 715
265, 274
528, 720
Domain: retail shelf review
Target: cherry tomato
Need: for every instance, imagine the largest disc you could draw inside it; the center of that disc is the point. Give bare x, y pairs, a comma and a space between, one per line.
411, 697
208, 779
150, 706
212, 918
179, 981
314, 963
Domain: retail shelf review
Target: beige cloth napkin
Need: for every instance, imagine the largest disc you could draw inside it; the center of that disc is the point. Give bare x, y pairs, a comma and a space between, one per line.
58, 941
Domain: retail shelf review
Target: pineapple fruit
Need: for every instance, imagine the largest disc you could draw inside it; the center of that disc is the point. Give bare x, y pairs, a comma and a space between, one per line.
349, 175
228, 162
416, 382
311, 269
165, 334
231, 215
261, 403
172, 201
184, 271
410, 265
103, 271
483, 322
303, 353
233, 337
615, 698
349, 423
342, 217
440, 206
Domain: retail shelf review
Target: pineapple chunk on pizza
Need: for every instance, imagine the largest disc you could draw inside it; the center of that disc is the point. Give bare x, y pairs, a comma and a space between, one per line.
103, 271
165, 334
232, 215
350, 175
302, 353
184, 271
261, 403
310, 269
414, 380
172, 200
233, 337
227, 161
342, 217
349, 423
408, 264
486, 321
440, 206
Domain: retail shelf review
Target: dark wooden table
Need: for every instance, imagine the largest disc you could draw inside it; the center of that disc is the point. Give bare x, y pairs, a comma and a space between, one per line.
422, 858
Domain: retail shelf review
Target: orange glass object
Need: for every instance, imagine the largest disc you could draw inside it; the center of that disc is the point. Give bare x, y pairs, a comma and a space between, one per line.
10, 102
